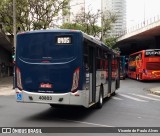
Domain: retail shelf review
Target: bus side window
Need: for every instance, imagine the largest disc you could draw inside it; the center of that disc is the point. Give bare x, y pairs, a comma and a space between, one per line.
86, 64
86, 56
100, 59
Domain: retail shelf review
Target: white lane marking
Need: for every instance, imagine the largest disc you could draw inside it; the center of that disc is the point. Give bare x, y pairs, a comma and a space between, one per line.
154, 95
142, 96
133, 98
116, 98
88, 123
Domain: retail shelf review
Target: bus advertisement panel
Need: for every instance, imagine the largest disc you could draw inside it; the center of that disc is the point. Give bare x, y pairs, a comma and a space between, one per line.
144, 65
63, 67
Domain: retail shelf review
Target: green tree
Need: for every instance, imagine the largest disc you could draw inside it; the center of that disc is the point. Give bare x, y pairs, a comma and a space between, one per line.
31, 14
108, 18
110, 41
74, 26
87, 22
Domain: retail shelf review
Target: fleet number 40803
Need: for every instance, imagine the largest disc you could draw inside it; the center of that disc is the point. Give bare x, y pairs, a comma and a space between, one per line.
45, 97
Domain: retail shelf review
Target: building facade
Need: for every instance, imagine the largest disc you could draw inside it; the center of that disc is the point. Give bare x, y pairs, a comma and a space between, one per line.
118, 8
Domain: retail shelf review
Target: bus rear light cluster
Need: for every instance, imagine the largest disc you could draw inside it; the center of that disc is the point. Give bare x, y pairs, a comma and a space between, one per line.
75, 82
19, 82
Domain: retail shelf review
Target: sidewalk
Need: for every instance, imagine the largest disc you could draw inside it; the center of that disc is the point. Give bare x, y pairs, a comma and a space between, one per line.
6, 86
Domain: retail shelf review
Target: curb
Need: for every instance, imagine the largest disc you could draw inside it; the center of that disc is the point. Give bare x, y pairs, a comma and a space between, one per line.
155, 91
7, 93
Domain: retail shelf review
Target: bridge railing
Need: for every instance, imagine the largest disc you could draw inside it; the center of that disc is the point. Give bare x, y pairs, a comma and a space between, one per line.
139, 25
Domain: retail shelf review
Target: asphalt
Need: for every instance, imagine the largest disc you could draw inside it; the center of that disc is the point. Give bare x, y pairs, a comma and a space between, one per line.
6, 87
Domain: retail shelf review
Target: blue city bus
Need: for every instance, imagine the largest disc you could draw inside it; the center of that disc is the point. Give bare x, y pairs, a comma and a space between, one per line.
123, 70
64, 67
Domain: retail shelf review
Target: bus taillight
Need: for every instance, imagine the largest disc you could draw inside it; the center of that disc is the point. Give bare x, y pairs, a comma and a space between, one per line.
75, 80
19, 82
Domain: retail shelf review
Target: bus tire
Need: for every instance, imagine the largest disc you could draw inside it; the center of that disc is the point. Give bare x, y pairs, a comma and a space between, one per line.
100, 101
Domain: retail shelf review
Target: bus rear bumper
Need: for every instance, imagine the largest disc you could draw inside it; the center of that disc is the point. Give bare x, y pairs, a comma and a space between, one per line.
78, 98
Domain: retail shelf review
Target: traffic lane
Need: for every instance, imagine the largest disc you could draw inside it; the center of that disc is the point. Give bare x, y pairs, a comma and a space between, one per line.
140, 87
124, 112
127, 112
40, 115
114, 113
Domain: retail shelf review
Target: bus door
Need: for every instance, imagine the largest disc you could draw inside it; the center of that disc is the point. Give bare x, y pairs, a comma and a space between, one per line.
114, 72
92, 74
90, 70
109, 73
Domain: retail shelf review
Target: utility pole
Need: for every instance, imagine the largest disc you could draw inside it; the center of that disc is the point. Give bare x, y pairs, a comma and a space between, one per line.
14, 42
14, 22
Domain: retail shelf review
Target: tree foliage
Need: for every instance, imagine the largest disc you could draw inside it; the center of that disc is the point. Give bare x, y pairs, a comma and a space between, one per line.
110, 41
108, 18
30, 14
87, 22
74, 26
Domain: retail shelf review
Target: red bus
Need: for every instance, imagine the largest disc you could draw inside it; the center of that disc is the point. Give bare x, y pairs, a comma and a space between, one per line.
144, 65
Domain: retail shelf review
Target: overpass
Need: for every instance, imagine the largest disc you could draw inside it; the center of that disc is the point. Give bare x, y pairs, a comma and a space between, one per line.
5, 55
143, 36
5, 41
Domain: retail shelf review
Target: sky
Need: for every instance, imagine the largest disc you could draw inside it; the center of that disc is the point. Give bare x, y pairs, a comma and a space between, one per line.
140, 10
136, 11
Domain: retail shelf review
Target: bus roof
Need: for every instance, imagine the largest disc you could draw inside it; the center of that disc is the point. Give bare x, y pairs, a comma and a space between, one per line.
49, 30
144, 51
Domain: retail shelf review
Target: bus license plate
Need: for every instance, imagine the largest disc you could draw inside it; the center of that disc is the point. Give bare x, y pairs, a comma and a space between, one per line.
45, 85
45, 97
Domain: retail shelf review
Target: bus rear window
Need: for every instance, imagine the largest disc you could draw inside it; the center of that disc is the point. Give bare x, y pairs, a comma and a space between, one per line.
44, 45
153, 65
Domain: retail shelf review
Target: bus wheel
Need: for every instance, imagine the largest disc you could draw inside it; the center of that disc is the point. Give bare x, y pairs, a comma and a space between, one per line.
100, 101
